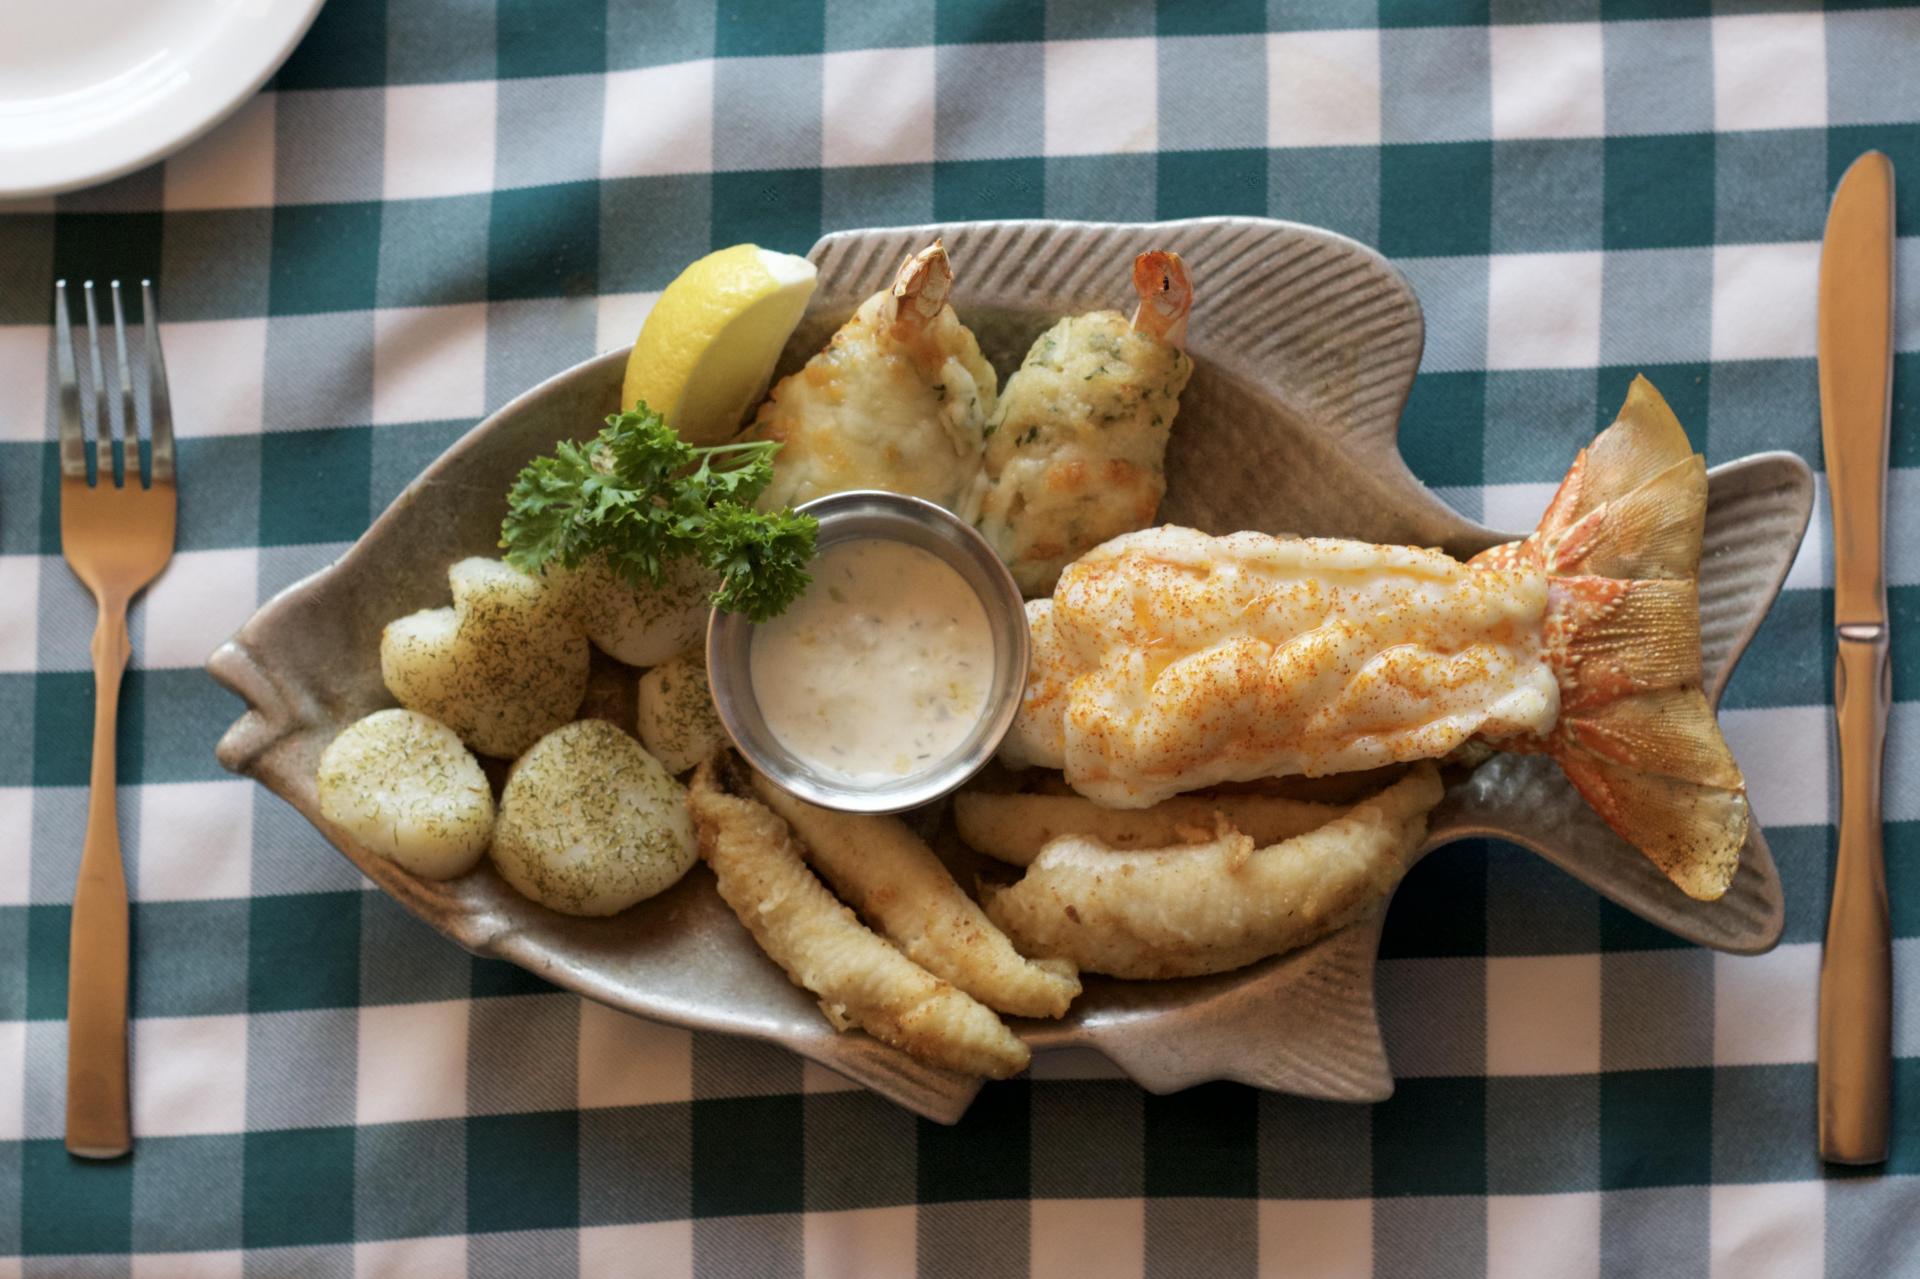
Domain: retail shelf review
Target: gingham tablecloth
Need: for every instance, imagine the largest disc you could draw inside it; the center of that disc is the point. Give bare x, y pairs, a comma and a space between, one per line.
439, 202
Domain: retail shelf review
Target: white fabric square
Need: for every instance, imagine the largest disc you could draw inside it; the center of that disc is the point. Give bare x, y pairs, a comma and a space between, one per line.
630, 1061
1548, 81
410, 1258
16, 834
1074, 1237
620, 316
1543, 310
412, 1062
189, 1265
196, 841
658, 120
1765, 1007
1101, 97
1773, 1230
1515, 508
231, 167
1783, 752
1543, 1236
215, 371
13, 1074
1769, 72
24, 352
1543, 1015
189, 1075
429, 363
1765, 300
665, 1246
1316, 1238
874, 1243
1323, 88
439, 139
197, 604
876, 106
20, 617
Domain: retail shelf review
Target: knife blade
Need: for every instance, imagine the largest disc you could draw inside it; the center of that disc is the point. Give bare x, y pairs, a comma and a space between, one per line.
1856, 371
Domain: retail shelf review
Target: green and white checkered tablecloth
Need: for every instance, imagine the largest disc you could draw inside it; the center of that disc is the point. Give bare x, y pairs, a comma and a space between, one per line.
438, 202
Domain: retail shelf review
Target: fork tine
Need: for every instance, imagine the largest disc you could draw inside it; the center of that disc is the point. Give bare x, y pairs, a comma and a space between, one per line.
73, 432
129, 417
157, 402
102, 424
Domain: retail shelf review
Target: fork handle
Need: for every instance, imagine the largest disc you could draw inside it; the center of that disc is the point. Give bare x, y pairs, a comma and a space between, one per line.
99, 1125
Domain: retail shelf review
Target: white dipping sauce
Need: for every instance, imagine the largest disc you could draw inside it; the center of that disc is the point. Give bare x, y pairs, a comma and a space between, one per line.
882, 669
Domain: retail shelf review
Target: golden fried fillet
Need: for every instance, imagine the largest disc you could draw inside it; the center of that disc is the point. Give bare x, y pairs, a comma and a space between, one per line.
888, 874
859, 978
1207, 908
1014, 828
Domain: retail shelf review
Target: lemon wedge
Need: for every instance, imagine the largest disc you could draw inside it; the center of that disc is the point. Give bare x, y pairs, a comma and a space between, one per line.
707, 350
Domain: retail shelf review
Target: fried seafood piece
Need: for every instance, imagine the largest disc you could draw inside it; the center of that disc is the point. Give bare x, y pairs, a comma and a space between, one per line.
889, 875
1206, 908
898, 400
1014, 828
859, 978
1076, 452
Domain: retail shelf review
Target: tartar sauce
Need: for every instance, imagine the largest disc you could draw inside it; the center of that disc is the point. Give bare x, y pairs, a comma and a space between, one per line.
881, 669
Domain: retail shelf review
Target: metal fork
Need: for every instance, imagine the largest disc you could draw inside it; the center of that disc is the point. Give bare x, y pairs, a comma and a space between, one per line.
117, 534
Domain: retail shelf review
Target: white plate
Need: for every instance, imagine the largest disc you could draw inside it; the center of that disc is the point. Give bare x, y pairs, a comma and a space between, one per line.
92, 89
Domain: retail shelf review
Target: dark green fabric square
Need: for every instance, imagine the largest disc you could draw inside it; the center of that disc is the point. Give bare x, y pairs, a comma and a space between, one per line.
303, 951
748, 1155
314, 485
326, 257
987, 22
1659, 191
1790, 661
48, 926
298, 1187
1211, 17
1623, 10
1088, 1139
434, 252
859, 1152
1440, 908
984, 1156
26, 275
1621, 929
73, 1205
1433, 13
1904, 447
523, 1171
1193, 184
1687, 389
19, 748
1430, 1138
492, 977
1803, 856
1903, 610
964, 190
169, 719
100, 247
774, 208
1901, 142
650, 228
1901, 842
1203, 1142
14, 922
1441, 428
544, 242
189, 958
1903, 1156
1656, 1128
346, 47
29, 513
1436, 199
751, 28
550, 37
63, 729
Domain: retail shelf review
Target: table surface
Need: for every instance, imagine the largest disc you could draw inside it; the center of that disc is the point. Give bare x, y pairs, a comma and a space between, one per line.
438, 203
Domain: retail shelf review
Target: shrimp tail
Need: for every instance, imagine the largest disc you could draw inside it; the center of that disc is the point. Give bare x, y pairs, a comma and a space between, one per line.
920, 290
1636, 735
1166, 295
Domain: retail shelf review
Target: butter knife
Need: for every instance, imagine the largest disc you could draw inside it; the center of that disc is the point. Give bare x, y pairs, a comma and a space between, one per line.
1856, 372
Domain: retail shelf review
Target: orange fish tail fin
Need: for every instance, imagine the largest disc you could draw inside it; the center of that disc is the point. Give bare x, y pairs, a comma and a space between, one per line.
1620, 544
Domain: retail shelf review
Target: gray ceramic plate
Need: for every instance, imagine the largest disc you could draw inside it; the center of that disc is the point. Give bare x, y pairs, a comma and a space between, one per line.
1305, 345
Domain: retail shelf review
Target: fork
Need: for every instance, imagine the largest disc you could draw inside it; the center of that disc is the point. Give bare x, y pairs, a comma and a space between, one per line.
117, 534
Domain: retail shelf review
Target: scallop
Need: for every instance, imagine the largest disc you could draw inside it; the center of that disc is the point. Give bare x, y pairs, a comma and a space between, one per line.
405, 786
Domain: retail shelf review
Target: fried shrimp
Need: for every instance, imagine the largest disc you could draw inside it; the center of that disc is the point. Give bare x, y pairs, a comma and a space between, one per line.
858, 977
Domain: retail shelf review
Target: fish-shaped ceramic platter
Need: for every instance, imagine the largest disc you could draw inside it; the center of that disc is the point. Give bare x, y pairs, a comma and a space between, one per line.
1305, 346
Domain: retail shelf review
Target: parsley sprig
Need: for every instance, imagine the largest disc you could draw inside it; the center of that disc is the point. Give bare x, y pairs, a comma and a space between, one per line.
644, 497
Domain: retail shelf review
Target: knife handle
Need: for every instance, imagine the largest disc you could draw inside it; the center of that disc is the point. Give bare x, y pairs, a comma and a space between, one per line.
1856, 969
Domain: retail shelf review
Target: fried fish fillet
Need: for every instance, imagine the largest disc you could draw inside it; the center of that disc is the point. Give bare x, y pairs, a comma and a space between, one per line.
1014, 828
859, 978
889, 875
1207, 908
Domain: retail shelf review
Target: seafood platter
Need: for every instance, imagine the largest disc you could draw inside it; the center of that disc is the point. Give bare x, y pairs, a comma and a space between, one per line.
977, 640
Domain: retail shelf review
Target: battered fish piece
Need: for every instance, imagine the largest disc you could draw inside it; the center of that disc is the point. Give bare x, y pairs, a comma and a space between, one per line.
1207, 908
1076, 452
889, 875
898, 400
859, 978
1014, 828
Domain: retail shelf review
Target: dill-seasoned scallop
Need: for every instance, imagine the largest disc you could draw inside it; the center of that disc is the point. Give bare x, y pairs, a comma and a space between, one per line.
405, 786
590, 823
640, 625
678, 722
503, 666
